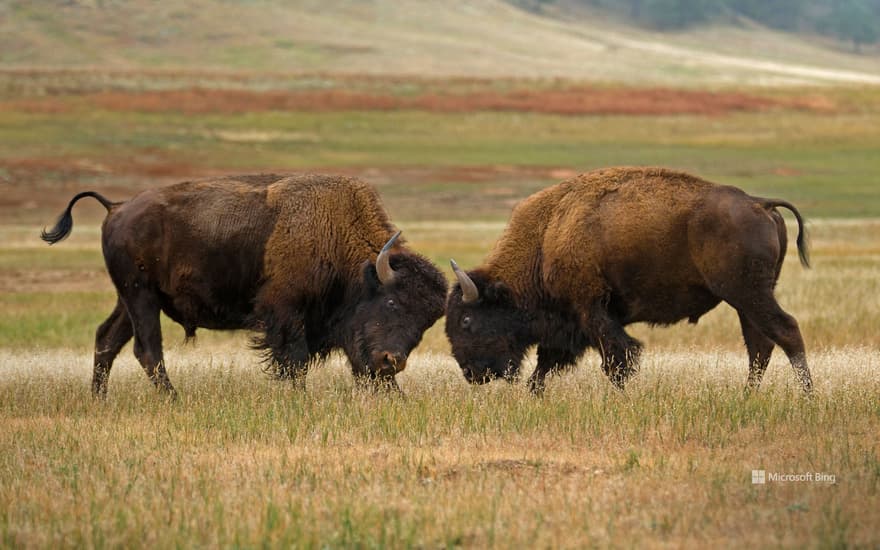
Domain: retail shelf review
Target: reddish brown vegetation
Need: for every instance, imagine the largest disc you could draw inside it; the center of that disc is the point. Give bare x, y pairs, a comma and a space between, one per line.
568, 101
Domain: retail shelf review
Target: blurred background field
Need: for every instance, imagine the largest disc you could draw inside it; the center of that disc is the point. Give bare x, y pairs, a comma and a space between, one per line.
455, 111
449, 178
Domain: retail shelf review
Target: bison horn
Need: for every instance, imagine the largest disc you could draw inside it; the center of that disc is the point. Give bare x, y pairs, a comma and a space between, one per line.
383, 262
469, 292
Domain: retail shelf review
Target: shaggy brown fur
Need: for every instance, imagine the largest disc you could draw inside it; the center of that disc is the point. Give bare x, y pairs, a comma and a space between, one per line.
583, 258
290, 257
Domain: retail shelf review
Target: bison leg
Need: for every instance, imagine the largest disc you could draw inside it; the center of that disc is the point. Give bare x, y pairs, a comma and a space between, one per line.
284, 343
549, 361
620, 351
143, 308
765, 314
110, 337
292, 358
759, 347
292, 361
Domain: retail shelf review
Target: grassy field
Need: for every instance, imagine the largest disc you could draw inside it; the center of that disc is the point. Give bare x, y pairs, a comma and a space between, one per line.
242, 461
476, 38
473, 164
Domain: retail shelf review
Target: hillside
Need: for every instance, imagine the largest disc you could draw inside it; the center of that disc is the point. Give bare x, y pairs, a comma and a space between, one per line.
477, 38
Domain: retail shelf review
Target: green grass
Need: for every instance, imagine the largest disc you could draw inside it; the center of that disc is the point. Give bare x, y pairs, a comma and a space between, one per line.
59, 258
826, 165
63, 319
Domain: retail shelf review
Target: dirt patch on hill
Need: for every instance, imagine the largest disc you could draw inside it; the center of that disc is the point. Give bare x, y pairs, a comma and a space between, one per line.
567, 101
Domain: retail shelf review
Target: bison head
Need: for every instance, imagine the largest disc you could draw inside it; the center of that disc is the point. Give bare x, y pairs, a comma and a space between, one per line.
403, 296
488, 332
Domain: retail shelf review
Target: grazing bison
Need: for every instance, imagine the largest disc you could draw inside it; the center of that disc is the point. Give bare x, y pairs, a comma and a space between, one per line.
584, 258
299, 259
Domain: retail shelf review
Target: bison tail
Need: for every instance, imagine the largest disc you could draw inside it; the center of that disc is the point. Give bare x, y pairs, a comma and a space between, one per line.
64, 224
802, 241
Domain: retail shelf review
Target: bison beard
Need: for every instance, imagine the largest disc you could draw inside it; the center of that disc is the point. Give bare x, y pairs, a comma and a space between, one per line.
291, 258
584, 258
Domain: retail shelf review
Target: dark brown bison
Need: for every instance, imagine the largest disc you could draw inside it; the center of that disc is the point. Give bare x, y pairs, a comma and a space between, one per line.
310, 262
584, 258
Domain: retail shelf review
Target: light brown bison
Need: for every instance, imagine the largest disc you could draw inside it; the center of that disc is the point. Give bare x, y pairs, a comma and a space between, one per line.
310, 262
584, 258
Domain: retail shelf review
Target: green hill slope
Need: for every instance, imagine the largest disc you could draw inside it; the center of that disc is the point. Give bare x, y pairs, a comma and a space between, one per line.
482, 38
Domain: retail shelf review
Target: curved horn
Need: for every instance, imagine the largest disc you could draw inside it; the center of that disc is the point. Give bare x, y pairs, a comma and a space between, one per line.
469, 292
383, 262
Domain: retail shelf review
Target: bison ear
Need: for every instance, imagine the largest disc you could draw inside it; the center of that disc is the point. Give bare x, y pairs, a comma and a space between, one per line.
498, 292
371, 277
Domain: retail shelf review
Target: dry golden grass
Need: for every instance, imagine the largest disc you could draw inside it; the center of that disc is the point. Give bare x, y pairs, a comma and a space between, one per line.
240, 460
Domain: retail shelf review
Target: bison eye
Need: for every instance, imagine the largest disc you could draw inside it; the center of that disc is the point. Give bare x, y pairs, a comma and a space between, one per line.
390, 303
465, 322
